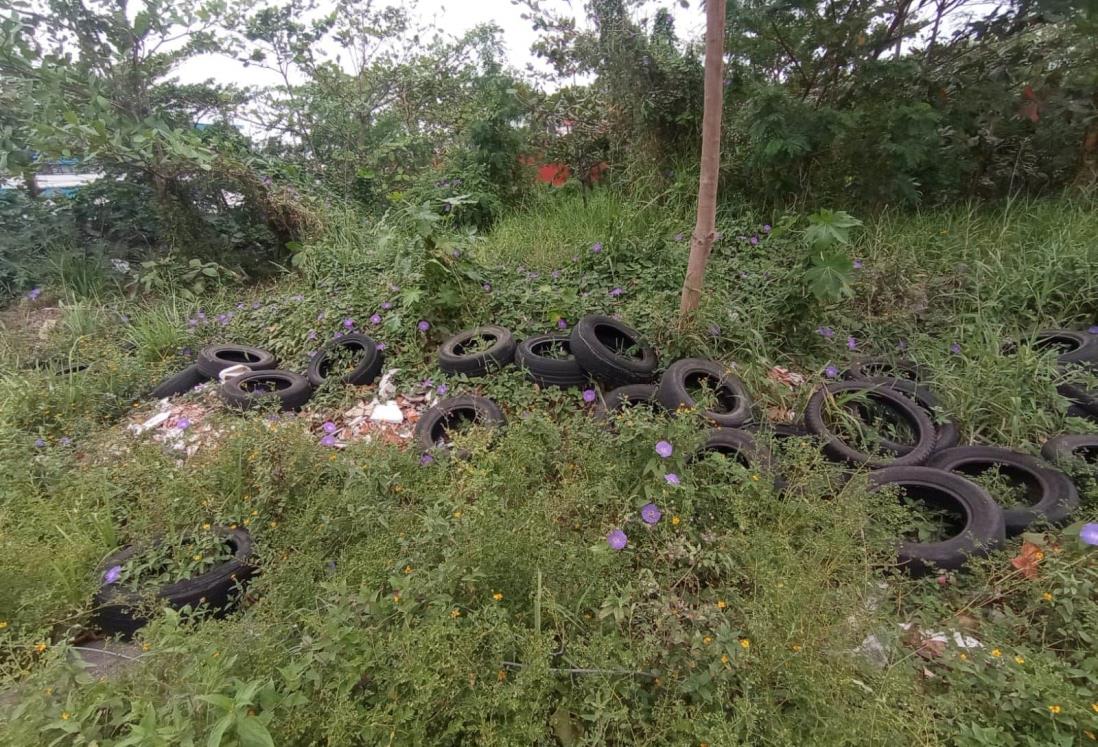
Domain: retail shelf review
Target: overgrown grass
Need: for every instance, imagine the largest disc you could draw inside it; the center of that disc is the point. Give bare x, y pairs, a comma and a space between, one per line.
477, 601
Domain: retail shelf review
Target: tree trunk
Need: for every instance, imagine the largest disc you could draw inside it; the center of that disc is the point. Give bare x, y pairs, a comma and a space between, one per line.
701, 243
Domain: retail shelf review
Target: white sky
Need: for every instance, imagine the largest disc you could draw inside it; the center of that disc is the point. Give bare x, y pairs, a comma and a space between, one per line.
454, 17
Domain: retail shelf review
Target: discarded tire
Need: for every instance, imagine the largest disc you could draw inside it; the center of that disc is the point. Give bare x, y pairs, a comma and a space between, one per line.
214, 358
627, 397
900, 404
120, 611
876, 368
1072, 346
733, 401
736, 443
1054, 497
1084, 401
432, 430
289, 390
1068, 447
612, 352
947, 435
983, 530
179, 383
457, 357
366, 369
548, 361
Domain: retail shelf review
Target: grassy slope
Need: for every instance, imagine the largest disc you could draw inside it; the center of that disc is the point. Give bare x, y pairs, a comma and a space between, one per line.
784, 588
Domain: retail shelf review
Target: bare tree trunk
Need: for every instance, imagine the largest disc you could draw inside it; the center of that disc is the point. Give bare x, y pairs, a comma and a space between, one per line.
701, 243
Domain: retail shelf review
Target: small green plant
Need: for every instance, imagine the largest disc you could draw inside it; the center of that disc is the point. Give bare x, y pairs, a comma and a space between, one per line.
171, 560
190, 279
829, 268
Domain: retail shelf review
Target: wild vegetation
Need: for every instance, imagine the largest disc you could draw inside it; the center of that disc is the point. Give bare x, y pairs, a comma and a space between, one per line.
897, 180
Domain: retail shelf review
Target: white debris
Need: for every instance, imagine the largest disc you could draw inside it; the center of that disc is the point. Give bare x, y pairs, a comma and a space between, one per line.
232, 372
156, 420
386, 389
387, 412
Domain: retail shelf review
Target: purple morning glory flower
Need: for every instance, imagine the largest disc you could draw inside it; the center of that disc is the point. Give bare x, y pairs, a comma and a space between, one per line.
754, 241
851, 343
664, 449
33, 294
615, 292
423, 325
375, 319
562, 324
617, 540
311, 335
955, 348
427, 383
329, 427
328, 440
426, 459
589, 395
651, 513
857, 264
825, 332
679, 236
385, 306
455, 253
223, 319
1089, 534
487, 287
65, 441
39, 442
380, 346
714, 330
442, 389
240, 306
1093, 330
766, 228
257, 305
348, 323
183, 424
832, 371
112, 574
672, 479
596, 248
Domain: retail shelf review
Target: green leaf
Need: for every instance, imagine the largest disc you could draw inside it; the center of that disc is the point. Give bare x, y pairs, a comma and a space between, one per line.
223, 702
252, 733
219, 729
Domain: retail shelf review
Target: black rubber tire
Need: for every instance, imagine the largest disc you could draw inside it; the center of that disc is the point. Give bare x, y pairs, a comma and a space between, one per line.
432, 423
1075, 411
1082, 399
741, 443
779, 431
179, 383
590, 340
833, 447
292, 393
500, 354
545, 371
947, 434
882, 368
1081, 347
984, 523
625, 397
1065, 448
1055, 493
364, 373
673, 394
119, 611
215, 358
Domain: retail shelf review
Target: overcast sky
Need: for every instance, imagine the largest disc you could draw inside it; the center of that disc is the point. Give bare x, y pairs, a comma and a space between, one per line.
454, 17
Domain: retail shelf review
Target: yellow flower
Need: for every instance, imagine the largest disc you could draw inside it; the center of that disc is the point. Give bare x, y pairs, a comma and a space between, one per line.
40, 647
962, 656
274, 524
196, 558
755, 478
996, 653
457, 514
232, 526
146, 646
796, 647
725, 659
1019, 660
675, 521
1047, 596
332, 458
1054, 709
501, 675
255, 513
3, 624
455, 613
707, 640
745, 643
65, 715
721, 604
1094, 707
1038, 555
497, 596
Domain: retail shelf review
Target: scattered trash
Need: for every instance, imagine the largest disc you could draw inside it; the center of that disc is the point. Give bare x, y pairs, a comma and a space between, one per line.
387, 412
791, 379
386, 390
232, 372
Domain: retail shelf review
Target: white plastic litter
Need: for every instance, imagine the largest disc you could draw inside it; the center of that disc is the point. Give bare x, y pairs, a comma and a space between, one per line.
386, 389
233, 371
387, 412
156, 420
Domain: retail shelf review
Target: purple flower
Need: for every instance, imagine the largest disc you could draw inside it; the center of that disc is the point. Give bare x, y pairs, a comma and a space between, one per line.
651, 513
679, 236
766, 228
955, 348
1089, 534
426, 459
112, 574
588, 395
596, 248
33, 294
672, 479
487, 287
832, 371
328, 440
754, 241
65, 441
393, 288
455, 253
257, 305
223, 319
714, 330
329, 427
825, 332
615, 292
375, 319
427, 383
851, 343
240, 306
617, 540
857, 264
39, 443
562, 323
311, 335
348, 323
664, 449
183, 424
385, 306
442, 389
423, 325
1093, 330
380, 346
